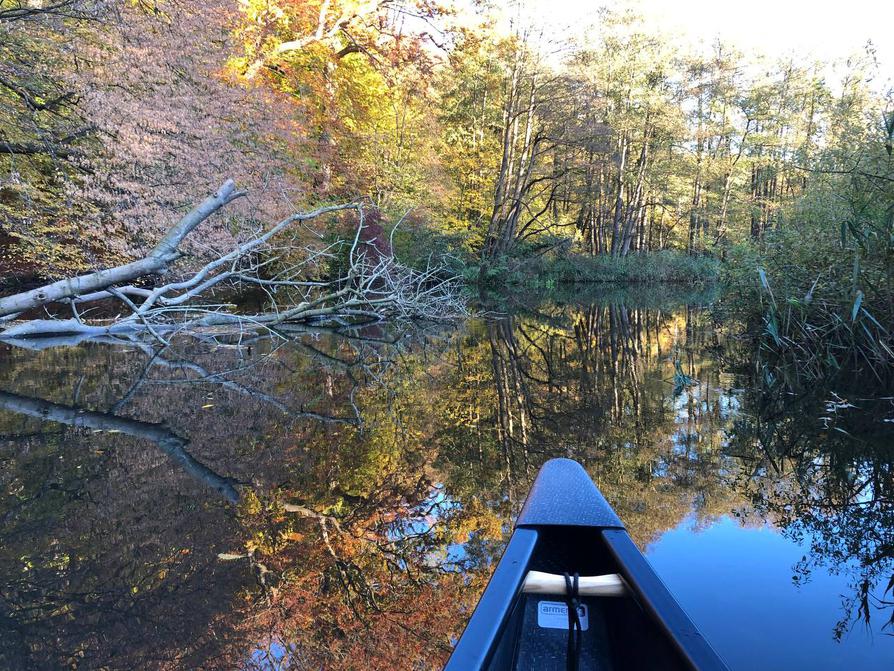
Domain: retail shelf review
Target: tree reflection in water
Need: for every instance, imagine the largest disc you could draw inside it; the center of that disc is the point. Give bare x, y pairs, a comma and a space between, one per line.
338, 501
818, 460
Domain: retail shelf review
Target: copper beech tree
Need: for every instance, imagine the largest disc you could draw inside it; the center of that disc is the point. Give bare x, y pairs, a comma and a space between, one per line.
115, 117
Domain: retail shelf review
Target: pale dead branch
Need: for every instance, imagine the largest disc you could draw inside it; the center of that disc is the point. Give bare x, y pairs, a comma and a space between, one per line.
298, 281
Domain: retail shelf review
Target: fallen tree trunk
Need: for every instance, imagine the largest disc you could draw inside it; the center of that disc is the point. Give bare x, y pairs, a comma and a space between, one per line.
158, 260
373, 286
64, 327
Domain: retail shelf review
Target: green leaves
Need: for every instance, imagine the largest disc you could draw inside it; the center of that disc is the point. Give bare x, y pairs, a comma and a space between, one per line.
772, 327
858, 301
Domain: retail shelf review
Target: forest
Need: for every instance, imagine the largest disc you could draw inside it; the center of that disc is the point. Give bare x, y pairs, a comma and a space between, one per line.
484, 150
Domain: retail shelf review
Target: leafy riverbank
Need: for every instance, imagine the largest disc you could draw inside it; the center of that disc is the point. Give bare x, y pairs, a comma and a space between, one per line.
552, 271
662, 267
819, 289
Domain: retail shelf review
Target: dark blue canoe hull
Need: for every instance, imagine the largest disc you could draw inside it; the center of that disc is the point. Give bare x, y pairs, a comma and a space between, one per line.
566, 526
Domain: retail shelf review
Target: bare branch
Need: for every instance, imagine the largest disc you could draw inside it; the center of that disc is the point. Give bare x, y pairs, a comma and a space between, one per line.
158, 260
375, 286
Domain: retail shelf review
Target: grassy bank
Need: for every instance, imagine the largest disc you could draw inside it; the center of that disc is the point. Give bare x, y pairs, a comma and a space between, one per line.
647, 296
416, 245
665, 267
813, 314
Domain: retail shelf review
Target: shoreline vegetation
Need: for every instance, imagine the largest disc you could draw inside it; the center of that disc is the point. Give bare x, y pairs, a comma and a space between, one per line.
646, 268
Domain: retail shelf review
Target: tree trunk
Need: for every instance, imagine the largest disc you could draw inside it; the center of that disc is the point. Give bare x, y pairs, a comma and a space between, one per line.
158, 260
619, 196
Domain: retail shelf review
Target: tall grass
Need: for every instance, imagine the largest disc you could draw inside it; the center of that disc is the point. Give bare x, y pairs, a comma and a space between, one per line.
819, 338
804, 305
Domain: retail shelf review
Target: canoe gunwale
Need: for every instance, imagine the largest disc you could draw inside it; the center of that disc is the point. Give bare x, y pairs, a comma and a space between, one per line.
564, 497
654, 597
479, 641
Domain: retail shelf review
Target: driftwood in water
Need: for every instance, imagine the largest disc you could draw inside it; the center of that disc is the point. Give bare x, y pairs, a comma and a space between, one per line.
373, 286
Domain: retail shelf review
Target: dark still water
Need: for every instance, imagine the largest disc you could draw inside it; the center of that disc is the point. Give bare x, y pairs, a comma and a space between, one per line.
338, 501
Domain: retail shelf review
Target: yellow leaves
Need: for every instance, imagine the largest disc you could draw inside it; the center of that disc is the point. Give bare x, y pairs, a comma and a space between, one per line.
478, 519
260, 11
363, 94
259, 543
250, 504
60, 562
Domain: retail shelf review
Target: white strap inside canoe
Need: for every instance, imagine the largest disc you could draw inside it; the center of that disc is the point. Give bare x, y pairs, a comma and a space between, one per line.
537, 582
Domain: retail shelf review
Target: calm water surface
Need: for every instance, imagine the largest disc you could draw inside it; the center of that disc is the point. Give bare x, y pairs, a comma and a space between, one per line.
337, 501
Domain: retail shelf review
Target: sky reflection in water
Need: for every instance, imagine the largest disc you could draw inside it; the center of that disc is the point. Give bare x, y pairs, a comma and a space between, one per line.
737, 583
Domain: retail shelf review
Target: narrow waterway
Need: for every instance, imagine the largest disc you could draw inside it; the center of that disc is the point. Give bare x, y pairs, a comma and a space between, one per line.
342, 497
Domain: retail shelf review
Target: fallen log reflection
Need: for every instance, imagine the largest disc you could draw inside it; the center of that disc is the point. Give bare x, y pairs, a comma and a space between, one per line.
169, 442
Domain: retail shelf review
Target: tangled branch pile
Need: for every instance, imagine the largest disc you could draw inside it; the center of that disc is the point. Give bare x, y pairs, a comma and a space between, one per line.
371, 286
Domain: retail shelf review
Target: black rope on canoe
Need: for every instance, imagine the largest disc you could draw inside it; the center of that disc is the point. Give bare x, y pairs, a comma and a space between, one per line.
572, 598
